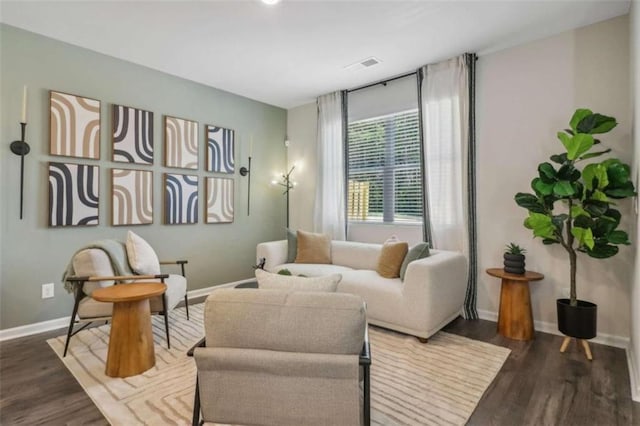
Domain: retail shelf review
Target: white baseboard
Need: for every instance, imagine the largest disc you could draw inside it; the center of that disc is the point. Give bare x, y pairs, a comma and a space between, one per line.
634, 381
54, 324
552, 328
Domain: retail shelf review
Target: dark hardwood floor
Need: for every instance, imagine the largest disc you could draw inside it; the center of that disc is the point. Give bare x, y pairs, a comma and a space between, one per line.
536, 386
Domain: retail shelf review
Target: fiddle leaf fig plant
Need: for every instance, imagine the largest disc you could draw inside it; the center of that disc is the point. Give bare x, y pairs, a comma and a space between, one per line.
575, 206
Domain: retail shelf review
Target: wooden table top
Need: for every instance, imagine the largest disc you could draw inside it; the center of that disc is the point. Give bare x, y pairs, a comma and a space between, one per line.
528, 275
128, 292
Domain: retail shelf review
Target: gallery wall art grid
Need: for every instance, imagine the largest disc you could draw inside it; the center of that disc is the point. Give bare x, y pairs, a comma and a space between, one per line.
73, 194
74, 126
132, 135
132, 197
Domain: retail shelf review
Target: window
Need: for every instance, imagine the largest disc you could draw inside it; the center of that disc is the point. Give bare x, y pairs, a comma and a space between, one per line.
384, 178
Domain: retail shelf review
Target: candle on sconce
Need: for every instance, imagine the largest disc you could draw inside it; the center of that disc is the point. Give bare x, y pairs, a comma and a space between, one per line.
24, 105
251, 146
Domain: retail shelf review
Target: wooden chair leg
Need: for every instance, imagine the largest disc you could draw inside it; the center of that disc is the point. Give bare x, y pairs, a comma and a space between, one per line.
587, 349
565, 343
186, 305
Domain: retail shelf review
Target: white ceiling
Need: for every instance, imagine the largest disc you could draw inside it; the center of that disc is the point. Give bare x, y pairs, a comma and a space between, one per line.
290, 53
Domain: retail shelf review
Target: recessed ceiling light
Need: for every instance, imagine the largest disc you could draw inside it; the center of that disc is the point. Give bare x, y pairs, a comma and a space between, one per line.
270, 2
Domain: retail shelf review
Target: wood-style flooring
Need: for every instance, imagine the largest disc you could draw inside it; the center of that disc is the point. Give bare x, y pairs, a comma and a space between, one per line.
536, 386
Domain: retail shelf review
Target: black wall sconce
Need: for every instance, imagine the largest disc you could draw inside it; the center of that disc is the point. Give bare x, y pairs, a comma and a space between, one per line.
246, 171
21, 147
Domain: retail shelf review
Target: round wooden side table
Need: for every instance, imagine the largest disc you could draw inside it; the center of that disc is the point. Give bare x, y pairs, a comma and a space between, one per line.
515, 319
131, 349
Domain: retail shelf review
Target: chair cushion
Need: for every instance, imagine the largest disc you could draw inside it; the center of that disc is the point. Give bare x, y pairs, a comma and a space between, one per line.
176, 290
313, 248
269, 281
142, 258
93, 262
391, 258
285, 321
91, 308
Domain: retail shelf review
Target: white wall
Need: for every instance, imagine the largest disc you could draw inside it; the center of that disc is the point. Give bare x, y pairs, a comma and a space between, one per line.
301, 131
525, 95
634, 358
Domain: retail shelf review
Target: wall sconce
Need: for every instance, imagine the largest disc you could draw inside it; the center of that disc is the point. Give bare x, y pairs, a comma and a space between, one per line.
246, 171
21, 147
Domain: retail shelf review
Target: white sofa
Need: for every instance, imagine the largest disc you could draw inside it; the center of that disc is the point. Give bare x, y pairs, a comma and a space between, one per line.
431, 295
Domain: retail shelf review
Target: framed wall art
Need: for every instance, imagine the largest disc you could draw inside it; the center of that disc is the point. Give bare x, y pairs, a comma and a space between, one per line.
220, 149
131, 197
180, 143
74, 126
73, 194
180, 199
132, 135
219, 207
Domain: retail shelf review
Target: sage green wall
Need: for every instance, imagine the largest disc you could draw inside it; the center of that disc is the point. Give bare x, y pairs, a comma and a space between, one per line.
32, 253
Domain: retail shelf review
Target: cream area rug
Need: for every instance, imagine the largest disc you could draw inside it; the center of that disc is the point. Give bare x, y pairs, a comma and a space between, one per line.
437, 383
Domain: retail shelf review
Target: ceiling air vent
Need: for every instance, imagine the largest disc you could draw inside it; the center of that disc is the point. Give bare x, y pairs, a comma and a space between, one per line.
365, 63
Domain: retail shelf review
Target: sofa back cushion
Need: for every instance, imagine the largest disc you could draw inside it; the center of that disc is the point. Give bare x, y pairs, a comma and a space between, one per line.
313, 248
324, 323
268, 281
391, 257
355, 255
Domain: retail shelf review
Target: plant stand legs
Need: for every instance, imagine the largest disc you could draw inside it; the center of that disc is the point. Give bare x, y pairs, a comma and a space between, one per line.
585, 345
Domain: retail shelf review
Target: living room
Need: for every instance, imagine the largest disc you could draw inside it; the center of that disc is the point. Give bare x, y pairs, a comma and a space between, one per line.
530, 77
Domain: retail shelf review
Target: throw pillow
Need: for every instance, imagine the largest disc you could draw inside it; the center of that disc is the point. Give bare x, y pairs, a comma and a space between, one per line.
418, 251
313, 248
292, 246
269, 281
391, 257
142, 258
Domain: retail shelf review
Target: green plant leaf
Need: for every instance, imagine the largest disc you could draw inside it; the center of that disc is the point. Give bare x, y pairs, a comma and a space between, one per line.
549, 241
578, 145
618, 173
541, 188
584, 236
596, 123
563, 188
547, 173
541, 225
578, 116
578, 211
595, 208
602, 251
624, 191
529, 202
595, 176
612, 215
599, 195
568, 172
559, 158
583, 222
595, 154
618, 237
558, 222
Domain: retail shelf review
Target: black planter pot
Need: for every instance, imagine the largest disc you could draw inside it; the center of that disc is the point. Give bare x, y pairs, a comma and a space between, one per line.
514, 263
577, 321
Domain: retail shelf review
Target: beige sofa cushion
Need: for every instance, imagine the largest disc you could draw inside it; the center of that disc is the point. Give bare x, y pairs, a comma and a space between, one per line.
269, 281
285, 321
313, 248
311, 269
391, 257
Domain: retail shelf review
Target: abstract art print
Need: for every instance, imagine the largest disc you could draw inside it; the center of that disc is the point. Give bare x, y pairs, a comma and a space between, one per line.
132, 197
73, 194
180, 143
132, 135
74, 126
220, 149
219, 200
180, 199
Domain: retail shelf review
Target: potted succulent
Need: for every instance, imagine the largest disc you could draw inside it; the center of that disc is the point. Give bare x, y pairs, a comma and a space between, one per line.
514, 259
574, 204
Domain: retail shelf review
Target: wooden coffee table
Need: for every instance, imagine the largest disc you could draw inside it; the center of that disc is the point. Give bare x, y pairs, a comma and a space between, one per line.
131, 340
515, 319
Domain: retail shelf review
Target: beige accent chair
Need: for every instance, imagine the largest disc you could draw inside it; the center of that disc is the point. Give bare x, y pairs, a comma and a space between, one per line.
274, 357
93, 270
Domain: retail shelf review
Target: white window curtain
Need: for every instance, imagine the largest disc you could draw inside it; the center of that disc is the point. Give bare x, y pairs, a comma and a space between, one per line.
329, 209
445, 97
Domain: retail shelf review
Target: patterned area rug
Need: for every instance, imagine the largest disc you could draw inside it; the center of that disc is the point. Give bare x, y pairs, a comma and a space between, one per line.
439, 382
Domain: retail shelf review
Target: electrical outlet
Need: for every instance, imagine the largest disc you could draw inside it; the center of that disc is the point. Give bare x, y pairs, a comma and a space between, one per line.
47, 290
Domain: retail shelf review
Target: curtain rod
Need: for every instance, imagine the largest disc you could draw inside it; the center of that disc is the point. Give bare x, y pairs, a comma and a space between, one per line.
382, 81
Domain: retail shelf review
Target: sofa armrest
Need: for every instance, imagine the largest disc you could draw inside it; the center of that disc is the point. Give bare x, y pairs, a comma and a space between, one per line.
275, 253
439, 282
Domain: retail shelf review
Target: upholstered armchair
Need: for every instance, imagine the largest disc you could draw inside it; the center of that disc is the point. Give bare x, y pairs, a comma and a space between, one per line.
110, 262
272, 357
